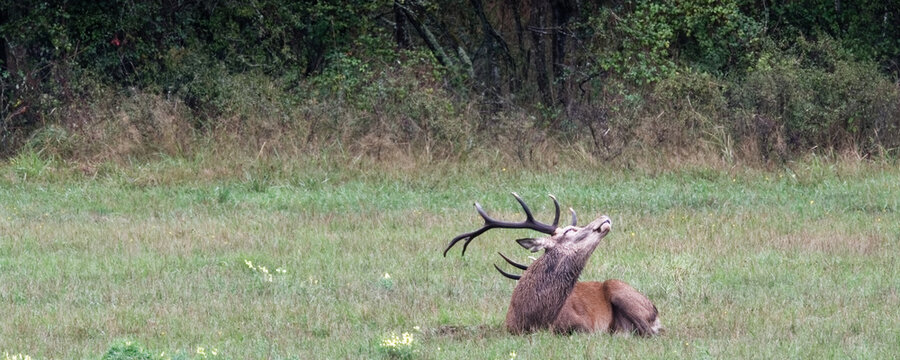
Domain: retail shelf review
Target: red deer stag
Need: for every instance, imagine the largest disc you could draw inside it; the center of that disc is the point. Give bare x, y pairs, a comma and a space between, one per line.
548, 296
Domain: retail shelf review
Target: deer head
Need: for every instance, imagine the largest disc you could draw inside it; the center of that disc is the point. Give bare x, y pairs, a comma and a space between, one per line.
544, 287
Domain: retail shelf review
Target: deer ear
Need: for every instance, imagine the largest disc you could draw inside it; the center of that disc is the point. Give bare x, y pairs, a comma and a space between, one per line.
534, 244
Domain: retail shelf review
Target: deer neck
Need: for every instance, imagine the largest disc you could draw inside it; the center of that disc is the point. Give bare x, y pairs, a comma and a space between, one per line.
543, 289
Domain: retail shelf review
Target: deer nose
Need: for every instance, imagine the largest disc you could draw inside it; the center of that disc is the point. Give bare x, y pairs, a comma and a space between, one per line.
604, 224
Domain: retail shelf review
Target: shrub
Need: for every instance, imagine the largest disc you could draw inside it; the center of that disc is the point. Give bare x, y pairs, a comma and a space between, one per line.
815, 96
127, 350
691, 104
398, 346
402, 102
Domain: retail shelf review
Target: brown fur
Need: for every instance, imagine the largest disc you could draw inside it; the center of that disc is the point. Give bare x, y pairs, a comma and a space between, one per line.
548, 296
540, 294
633, 312
609, 306
587, 309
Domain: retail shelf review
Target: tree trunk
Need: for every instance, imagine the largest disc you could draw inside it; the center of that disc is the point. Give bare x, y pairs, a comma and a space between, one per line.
537, 28
522, 73
495, 46
401, 34
562, 13
7, 60
426, 35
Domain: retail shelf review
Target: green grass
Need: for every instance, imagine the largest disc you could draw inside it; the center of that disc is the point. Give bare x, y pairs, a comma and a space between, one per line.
742, 263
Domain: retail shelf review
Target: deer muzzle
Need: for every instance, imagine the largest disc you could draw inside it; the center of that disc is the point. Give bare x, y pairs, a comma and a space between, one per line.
602, 225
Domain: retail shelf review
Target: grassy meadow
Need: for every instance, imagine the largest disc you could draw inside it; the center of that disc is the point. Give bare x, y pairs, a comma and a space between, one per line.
326, 260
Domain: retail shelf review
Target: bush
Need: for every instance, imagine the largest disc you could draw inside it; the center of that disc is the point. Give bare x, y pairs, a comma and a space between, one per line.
692, 103
127, 350
128, 79
402, 102
815, 96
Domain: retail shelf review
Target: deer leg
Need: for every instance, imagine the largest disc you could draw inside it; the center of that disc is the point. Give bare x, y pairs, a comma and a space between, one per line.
632, 311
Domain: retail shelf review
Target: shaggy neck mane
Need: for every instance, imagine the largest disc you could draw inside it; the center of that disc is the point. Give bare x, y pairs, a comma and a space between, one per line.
542, 291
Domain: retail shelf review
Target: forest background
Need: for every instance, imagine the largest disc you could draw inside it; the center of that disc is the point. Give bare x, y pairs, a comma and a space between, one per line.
753, 81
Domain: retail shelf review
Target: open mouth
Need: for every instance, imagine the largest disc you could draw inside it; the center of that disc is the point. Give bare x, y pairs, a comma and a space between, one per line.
604, 226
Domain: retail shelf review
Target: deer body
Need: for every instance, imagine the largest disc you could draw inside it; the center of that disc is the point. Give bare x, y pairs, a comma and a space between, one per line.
609, 306
540, 294
548, 294
587, 309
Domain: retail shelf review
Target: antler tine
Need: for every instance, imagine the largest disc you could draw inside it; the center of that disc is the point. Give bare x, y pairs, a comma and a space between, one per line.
490, 223
506, 274
513, 263
574, 217
468, 237
530, 222
528, 216
556, 205
487, 219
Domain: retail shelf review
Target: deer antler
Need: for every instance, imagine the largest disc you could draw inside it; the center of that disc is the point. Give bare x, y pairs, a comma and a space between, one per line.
506, 274
513, 263
490, 223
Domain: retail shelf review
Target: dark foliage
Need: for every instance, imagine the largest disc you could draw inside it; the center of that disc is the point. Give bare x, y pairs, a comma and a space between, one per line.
801, 66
